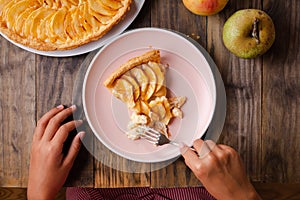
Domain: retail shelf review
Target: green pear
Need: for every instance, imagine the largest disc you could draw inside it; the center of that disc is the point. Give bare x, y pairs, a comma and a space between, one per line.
249, 33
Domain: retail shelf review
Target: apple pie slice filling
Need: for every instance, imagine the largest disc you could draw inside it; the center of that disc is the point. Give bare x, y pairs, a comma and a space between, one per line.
141, 84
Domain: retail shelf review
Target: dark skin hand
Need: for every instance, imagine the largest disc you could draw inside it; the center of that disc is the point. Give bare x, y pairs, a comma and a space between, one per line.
220, 170
49, 167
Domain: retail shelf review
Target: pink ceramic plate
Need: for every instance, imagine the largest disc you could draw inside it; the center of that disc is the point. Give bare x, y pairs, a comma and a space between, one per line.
189, 74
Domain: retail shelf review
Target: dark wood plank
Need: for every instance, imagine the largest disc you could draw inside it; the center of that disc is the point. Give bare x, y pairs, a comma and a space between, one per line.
281, 95
17, 108
276, 191
173, 15
176, 174
13, 193
144, 17
21, 194
55, 81
242, 79
85, 157
55, 84
113, 171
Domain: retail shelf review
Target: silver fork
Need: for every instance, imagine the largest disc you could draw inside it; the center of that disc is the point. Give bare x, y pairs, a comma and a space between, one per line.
155, 137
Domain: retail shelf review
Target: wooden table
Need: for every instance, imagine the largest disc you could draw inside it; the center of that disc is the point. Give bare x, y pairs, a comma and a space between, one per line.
263, 100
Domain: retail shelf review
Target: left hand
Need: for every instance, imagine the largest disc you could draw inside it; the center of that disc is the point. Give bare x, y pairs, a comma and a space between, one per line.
49, 167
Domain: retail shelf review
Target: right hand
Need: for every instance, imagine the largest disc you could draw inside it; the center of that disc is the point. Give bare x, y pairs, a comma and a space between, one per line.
220, 170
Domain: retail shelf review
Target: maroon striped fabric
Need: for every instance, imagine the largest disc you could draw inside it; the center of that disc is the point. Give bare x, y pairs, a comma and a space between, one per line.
144, 193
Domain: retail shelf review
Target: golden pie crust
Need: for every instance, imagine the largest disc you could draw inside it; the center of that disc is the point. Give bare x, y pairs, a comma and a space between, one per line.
59, 24
153, 55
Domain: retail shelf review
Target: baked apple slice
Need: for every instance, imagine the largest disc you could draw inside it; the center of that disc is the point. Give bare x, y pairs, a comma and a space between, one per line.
140, 83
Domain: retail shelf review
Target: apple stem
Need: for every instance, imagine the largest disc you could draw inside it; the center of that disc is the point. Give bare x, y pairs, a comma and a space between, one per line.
255, 31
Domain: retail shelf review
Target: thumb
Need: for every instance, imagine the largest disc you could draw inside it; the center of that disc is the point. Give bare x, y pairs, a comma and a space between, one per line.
74, 149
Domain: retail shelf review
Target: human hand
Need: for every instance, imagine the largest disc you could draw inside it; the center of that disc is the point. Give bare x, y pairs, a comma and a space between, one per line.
49, 167
220, 170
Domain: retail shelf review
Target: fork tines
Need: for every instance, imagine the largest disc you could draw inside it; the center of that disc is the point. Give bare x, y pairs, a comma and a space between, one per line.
150, 134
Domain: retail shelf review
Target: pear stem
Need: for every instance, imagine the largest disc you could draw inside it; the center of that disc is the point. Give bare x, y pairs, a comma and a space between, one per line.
255, 31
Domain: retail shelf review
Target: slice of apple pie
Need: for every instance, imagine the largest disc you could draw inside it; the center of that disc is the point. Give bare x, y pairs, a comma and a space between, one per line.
141, 84
59, 24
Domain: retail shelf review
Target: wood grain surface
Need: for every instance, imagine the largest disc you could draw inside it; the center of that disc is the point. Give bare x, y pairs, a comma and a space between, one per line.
281, 96
17, 115
263, 101
242, 79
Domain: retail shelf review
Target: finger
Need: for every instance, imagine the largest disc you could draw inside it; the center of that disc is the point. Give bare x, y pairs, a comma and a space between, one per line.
202, 148
223, 146
224, 153
63, 132
74, 150
183, 148
190, 157
44, 120
55, 122
198, 143
211, 144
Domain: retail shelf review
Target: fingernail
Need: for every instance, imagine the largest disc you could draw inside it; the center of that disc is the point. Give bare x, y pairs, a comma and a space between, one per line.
183, 148
73, 107
78, 122
211, 144
81, 134
204, 151
60, 106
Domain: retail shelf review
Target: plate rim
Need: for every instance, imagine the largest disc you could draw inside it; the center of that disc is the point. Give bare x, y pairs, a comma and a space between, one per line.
124, 34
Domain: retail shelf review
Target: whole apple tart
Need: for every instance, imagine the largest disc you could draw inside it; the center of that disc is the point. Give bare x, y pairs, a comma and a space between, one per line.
59, 24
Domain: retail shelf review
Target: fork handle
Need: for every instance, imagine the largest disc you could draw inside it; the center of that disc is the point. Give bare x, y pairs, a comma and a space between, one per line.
175, 143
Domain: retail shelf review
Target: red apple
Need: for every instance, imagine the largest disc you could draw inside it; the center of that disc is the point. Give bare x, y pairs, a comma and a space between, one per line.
205, 7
